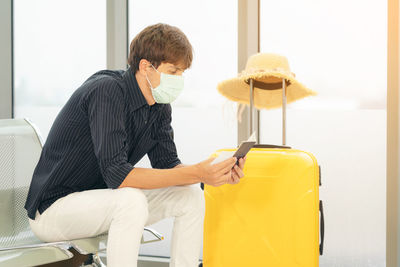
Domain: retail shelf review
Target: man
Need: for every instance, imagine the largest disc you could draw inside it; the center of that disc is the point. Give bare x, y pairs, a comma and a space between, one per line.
85, 182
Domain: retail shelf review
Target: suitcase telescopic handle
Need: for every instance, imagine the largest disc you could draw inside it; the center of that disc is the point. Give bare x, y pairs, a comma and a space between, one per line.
251, 97
322, 228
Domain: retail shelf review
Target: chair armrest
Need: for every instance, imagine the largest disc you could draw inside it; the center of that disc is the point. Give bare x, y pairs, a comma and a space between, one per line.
157, 235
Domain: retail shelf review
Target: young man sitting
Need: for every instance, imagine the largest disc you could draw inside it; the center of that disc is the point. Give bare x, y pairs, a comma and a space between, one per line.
85, 182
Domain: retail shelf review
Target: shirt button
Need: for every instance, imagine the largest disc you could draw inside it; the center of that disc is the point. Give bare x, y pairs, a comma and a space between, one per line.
145, 121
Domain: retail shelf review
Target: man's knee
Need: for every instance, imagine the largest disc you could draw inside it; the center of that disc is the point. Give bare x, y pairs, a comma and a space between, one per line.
132, 201
195, 199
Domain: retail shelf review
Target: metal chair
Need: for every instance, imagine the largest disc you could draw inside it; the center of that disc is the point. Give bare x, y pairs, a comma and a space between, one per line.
20, 148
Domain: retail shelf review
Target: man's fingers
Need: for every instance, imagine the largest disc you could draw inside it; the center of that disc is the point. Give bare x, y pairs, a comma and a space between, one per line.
235, 177
227, 162
230, 180
227, 168
241, 162
239, 171
228, 176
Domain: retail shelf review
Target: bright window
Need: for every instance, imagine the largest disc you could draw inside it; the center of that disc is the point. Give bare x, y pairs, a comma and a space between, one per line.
56, 48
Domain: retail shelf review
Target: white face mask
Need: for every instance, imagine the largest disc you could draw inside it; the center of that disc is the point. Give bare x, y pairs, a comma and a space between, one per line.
169, 89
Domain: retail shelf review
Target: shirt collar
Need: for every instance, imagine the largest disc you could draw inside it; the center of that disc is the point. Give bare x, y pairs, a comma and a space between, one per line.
136, 95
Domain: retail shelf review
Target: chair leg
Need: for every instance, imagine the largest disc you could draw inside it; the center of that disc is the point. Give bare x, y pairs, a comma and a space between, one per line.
97, 261
77, 260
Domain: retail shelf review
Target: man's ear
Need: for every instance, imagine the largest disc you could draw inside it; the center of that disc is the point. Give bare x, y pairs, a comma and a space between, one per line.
143, 65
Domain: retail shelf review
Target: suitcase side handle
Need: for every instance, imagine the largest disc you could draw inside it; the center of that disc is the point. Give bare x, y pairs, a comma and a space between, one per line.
322, 228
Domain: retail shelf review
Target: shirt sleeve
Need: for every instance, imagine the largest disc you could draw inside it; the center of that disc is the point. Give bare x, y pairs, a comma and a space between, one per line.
164, 155
107, 127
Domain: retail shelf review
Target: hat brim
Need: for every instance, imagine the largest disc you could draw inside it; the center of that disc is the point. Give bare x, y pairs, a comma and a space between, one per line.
238, 90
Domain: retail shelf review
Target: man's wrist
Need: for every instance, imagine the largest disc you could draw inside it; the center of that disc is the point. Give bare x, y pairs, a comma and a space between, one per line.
197, 173
192, 171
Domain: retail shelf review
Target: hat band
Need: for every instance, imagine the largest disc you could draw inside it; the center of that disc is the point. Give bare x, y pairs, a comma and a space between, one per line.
267, 86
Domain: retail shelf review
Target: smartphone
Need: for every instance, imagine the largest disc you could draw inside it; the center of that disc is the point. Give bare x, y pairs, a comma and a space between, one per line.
243, 149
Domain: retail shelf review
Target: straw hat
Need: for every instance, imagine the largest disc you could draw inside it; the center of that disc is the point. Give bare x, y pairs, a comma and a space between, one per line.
267, 72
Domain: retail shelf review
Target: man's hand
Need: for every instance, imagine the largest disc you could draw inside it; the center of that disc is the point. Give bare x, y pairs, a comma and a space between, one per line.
216, 174
237, 171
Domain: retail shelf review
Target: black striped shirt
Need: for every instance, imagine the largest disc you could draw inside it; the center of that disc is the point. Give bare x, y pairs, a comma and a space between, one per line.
103, 130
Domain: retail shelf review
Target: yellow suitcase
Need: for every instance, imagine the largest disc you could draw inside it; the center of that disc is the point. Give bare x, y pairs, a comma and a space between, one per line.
270, 218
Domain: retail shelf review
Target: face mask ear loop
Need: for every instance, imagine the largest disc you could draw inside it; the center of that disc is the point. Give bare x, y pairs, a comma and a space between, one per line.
151, 87
154, 68
147, 78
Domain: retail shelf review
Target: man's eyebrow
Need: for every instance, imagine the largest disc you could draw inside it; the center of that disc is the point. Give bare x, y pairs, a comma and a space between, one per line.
177, 68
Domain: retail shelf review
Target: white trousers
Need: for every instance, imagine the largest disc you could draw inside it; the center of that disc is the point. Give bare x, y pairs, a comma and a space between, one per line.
123, 213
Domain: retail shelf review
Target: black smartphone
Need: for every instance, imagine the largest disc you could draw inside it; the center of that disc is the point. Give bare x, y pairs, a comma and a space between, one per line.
243, 149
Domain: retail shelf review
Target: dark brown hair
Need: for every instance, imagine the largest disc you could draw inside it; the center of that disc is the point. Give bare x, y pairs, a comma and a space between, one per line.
160, 43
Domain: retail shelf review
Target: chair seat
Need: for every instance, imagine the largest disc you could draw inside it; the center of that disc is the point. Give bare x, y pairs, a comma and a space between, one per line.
93, 245
34, 256
44, 253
